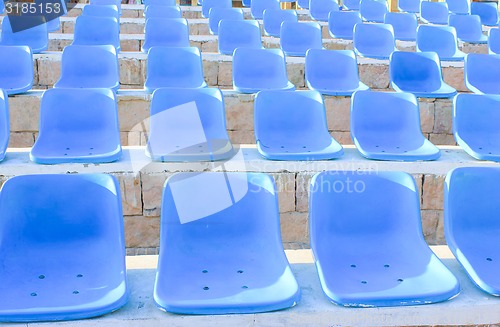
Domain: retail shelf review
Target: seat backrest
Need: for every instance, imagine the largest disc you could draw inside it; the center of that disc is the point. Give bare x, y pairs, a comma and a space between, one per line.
319, 9
434, 12
341, 23
4, 123
274, 17
404, 25
373, 10
169, 32
258, 7
416, 70
25, 30
162, 11
239, 34
93, 30
298, 37
410, 6
16, 69
494, 41
488, 11
101, 11
209, 4
440, 39
468, 27
461, 7
217, 14
374, 40
481, 73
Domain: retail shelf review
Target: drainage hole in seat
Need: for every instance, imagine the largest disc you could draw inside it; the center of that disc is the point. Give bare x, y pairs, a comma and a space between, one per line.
206, 288
353, 266
364, 282
79, 276
489, 259
244, 287
400, 280
204, 271
386, 266
240, 271
76, 292
41, 277
67, 148
33, 294
282, 146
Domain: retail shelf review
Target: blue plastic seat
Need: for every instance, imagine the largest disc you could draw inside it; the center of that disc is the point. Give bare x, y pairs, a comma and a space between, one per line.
404, 25
475, 125
333, 72
235, 261
418, 73
239, 34
440, 39
63, 247
52, 19
351, 5
374, 40
292, 125
16, 69
259, 6
217, 14
488, 11
319, 9
298, 37
209, 4
304, 4
373, 10
88, 133
459, 7
166, 32
117, 3
159, 2
341, 24
94, 30
14, 32
273, 19
255, 70
434, 12
89, 66
161, 11
468, 28
366, 237
409, 6
188, 125
494, 41
481, 73
101, 11
386, 126
4, 123
174, 67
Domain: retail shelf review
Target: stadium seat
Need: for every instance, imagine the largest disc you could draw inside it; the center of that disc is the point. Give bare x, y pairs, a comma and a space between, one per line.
475, 125
16, 69
434, 12
273, 19
386, 126
159, 2
459, 7
440, 39
351, 5
217, 14
4, 124
209, 4
174, 67
15, 31
319, 9
161, 11
366, 237
258, 7
84, 66
488, 11
165, 32
304, 4
93, 30
52, 19
373, 10
374, 40
409, 6
101, 11
239, 34
88, 133
117, 3
418, 73
333, 72
404, 25
188, 125
341, 23
63, 247
481, 73
255, 70
469, 28
494, 41
235, 261
298, 37
471, 226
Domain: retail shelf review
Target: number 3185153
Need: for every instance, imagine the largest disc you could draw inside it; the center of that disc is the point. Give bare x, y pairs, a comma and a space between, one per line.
32, 8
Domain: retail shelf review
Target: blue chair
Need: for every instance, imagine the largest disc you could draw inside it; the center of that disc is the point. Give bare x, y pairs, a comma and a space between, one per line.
255, 70
494, 41
481, 73
292, 125
386, 126
341, 23
259, 6
471, 223
468, 28
159, 2
319, 9
418, 73
434, 12
440, 39
404, 24
488, 11
374, 40
373, 10
333, 72
4, 123
52, 19
209, 4
459, 7
165, 32
25, 30
63, 247
174, 67
273, 19
88, 133
188, 125
363, 227
16, 69
117, 3
84, 66
475, 125
235, 261
94, 30
351, 5
239, 34
101, 11
298, 37
217, 14
161, 11
409, 6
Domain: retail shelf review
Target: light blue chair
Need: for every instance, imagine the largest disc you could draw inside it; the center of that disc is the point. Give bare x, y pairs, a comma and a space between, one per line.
468, 28
235, 261
4, 123
440, 39
88, 133
52, 19
93, 30
101, 11
239, 34
475, 125
209, 4
16, 69
404, 24
161, 11
494, 41
488, 11
255, 70
374, 40
341, 24
362, 226
292, 125
434, 12
409, 6
351, 5
259, 6
159, 2
117, 3
63, 247
418, 73
333, 72
386, 126
188, 125
298, 37
273, 19
481, 73
217, 14
459, 7
25, 30
165, 32
319, 9
471, 223
373, 10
